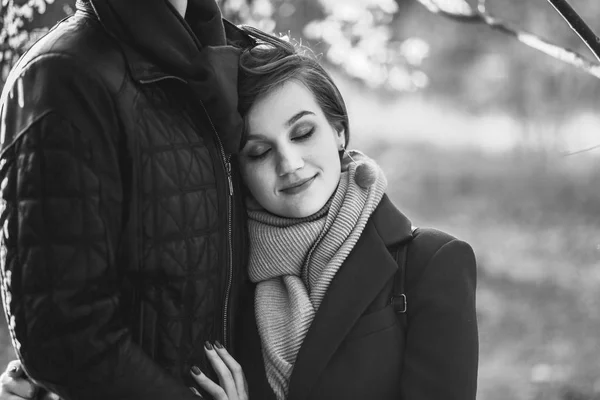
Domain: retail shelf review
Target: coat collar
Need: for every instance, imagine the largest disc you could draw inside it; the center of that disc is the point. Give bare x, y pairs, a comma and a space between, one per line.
194, 51
393, 226
142, 68
364, 274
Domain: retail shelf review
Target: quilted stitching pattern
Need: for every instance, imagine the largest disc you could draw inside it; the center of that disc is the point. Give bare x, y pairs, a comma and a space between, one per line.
55, 239
62, 271
180, 225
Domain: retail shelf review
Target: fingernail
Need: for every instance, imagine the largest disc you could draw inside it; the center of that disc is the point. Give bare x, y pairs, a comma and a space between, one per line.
196, 370
208, 345
218, 345
196, 392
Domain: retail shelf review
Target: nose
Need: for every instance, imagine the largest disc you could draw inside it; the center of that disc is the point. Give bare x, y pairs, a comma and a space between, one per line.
289, 161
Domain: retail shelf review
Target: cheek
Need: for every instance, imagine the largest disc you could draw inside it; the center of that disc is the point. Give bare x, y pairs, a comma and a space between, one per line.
335, 169
327, 153
256, 177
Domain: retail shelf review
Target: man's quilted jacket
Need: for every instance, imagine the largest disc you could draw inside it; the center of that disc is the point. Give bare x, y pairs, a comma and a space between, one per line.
122, 242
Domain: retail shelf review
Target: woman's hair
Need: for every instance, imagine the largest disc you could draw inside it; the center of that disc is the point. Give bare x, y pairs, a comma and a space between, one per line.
274, 61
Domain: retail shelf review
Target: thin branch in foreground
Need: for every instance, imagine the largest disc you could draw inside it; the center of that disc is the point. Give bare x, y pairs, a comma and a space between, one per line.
572, 153
560, 53
529, 39
578, 25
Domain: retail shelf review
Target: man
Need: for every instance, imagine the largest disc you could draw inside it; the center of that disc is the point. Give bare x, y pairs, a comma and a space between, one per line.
123, 231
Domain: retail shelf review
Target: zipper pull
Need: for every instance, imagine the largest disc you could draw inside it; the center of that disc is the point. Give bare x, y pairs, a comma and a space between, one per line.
229, 179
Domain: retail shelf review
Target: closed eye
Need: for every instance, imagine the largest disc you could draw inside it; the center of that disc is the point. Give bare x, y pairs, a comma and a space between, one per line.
304, 136
258, 155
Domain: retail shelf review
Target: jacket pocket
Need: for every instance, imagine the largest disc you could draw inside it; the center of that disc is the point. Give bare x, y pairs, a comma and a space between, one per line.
373, 322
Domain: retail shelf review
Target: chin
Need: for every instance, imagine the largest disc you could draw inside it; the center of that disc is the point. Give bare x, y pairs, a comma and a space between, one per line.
305, 210
303, 205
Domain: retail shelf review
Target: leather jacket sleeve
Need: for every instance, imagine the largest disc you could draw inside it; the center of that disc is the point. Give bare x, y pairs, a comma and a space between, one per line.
442, 340
61, 218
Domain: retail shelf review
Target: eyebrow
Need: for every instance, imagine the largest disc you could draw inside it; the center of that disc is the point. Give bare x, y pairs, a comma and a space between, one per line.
289, 123
296, 117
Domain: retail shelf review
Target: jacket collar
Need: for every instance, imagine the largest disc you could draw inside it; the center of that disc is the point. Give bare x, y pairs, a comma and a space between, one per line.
142, 68
393, 226
364, 274
196, 53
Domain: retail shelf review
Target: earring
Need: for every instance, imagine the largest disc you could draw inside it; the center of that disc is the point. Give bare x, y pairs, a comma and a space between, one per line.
366, 170
348, 155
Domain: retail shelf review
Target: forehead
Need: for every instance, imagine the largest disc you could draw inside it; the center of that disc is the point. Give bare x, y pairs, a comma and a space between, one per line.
277, 106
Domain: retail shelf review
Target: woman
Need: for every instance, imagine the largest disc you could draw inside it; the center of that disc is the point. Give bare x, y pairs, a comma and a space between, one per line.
323, 235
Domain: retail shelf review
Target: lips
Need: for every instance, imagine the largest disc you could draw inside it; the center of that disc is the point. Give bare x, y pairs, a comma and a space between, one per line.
298, 186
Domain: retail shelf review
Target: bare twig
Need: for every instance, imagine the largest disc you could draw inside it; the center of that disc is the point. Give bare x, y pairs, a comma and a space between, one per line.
456, 9
566, 55
560, 53
572, 153
578, 25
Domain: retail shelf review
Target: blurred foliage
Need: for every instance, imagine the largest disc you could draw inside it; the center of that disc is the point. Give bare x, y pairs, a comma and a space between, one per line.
532, 218
392, 45
22, 22
358, 36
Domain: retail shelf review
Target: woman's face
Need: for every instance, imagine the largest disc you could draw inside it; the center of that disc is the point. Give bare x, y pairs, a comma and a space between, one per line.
290, 162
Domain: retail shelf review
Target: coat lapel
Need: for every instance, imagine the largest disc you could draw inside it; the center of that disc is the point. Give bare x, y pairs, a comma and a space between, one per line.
364, 273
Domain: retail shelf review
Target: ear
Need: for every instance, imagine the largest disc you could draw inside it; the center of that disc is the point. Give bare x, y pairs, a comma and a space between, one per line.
340, 138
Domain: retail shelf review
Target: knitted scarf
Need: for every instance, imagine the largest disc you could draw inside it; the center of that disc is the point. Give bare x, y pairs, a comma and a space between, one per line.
294, 261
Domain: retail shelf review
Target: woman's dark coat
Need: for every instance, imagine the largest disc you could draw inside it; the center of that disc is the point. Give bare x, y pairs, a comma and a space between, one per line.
358, 348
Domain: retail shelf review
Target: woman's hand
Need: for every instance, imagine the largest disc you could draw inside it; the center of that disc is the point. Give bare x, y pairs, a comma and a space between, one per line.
14, 385
232, 383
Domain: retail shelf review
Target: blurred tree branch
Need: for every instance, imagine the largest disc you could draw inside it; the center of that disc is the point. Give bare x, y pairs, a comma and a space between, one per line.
588, 149
462, 11
578, 25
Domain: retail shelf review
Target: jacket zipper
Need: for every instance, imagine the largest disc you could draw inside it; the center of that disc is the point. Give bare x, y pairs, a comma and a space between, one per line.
230, 245
227, 165
162, 78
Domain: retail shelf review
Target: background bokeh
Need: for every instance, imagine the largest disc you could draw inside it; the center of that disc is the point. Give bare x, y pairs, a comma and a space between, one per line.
480, 136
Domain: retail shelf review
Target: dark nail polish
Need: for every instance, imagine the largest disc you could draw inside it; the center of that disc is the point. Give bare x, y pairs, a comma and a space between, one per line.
196, 392
218, 345
208, 345
196, 370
